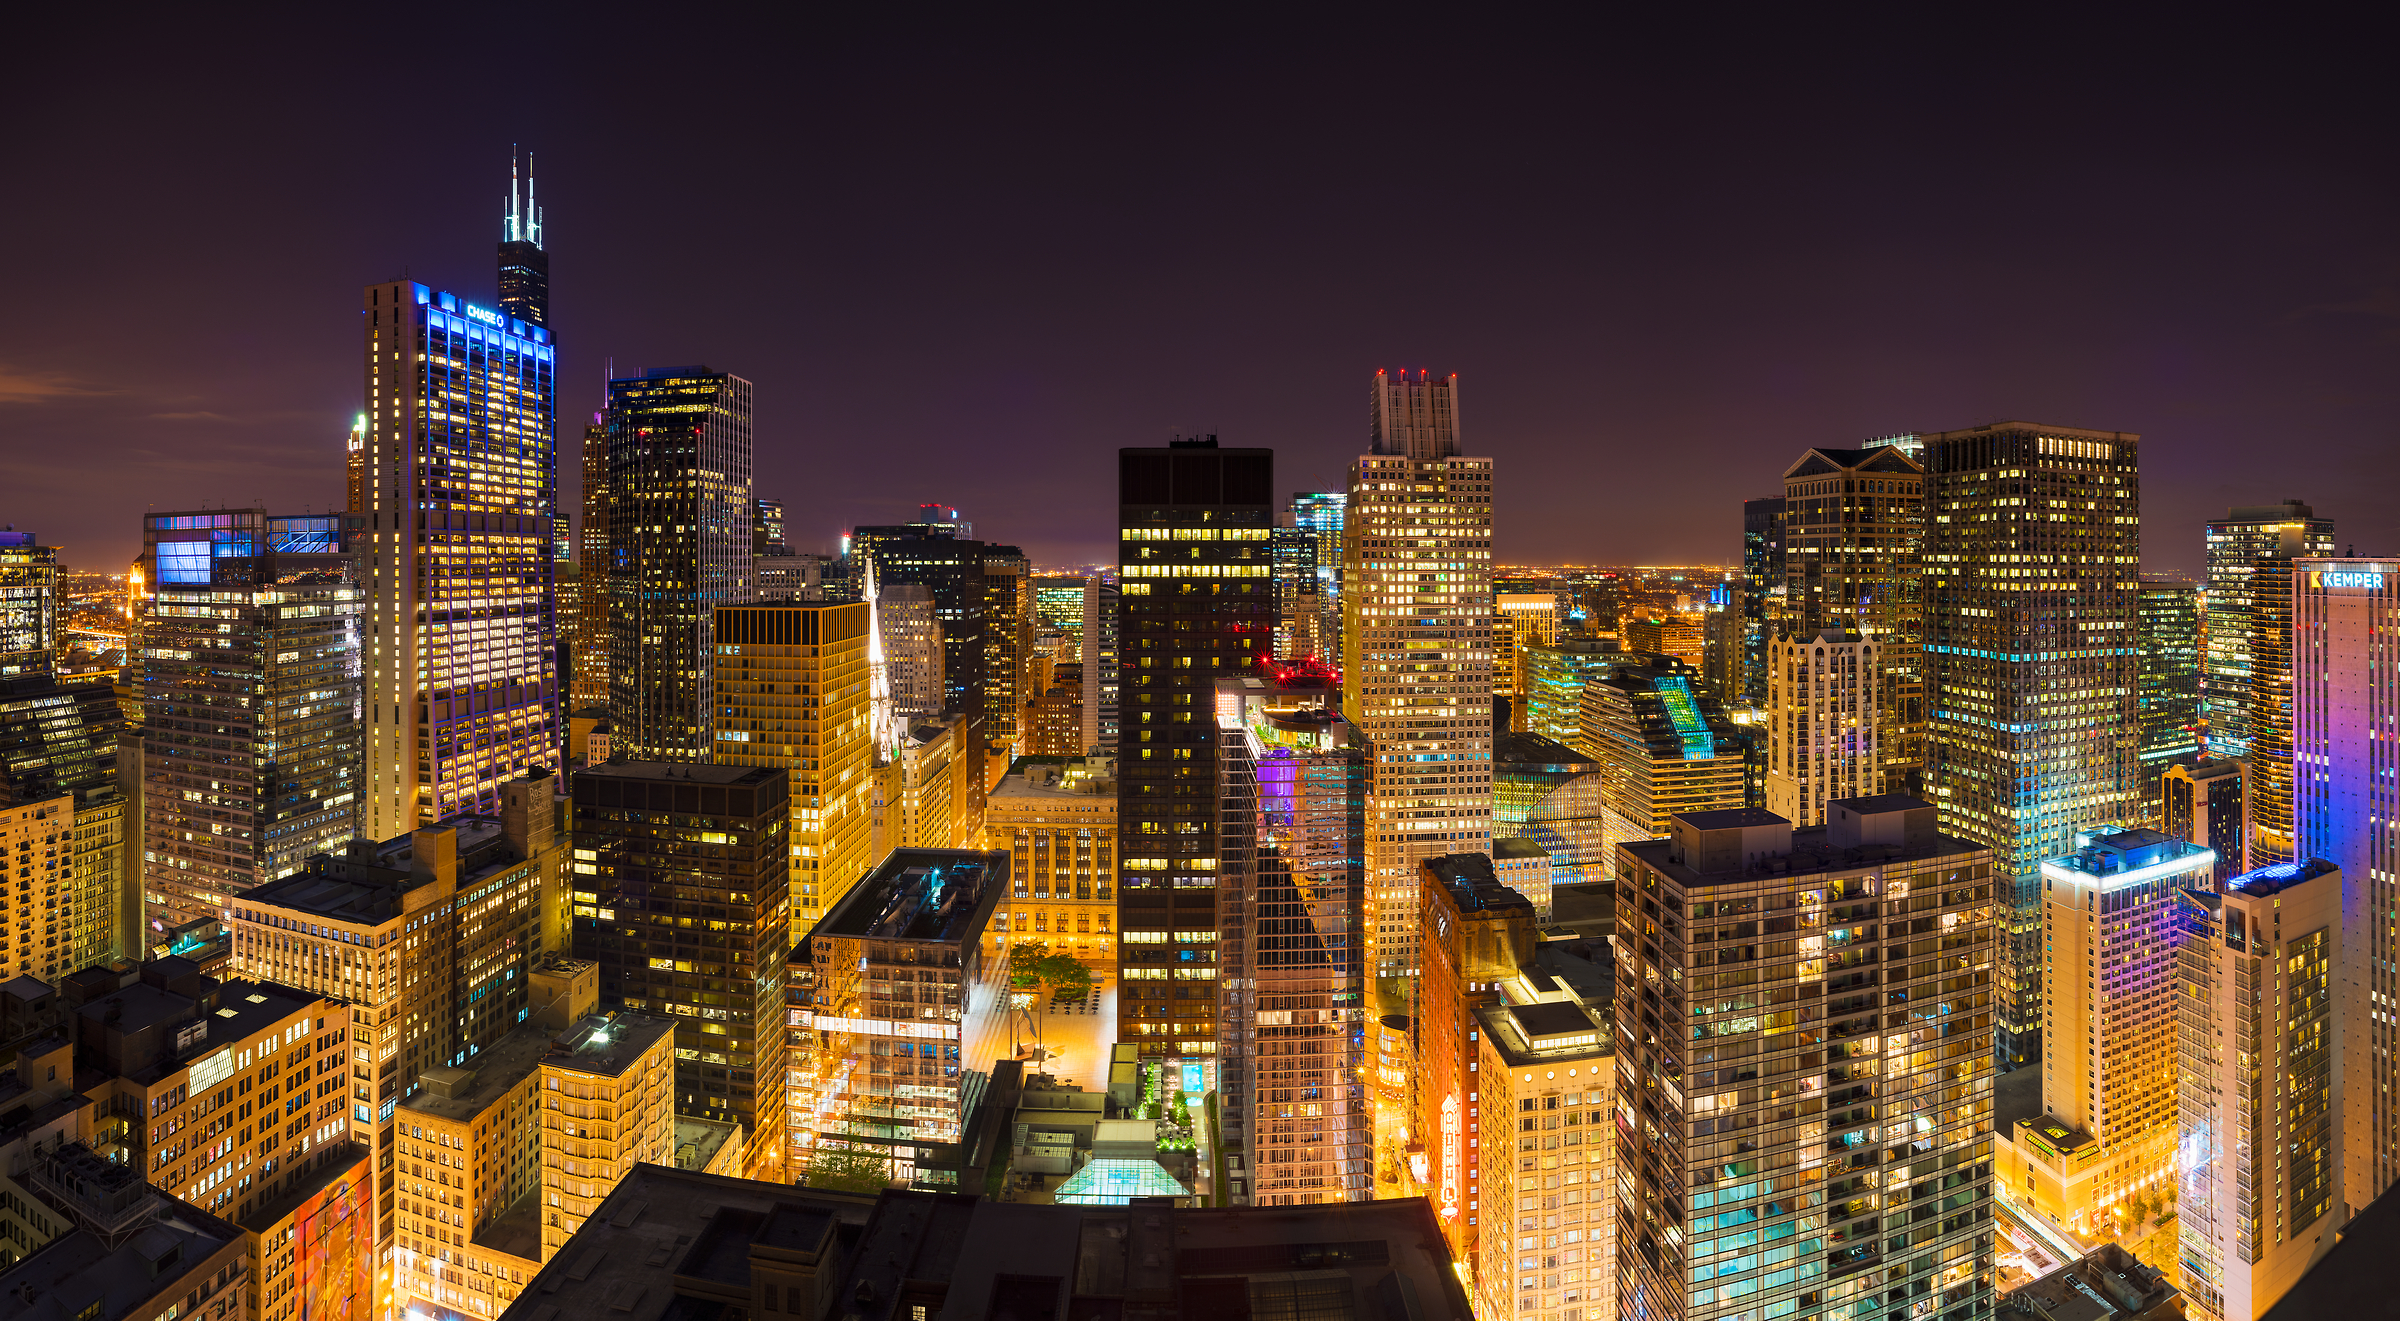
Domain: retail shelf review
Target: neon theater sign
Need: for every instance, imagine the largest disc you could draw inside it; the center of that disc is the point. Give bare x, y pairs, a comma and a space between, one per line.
1450, 1156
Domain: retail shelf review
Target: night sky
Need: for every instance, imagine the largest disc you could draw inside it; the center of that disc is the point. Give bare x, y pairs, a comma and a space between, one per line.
965, 263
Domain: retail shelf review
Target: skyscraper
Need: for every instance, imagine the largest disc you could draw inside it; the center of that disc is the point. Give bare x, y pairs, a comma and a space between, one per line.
910, 633
2167, 674
1662, 749
589, 629
1322, 512
251, 691
1880, 1189
1764, 589
463, 688
1417, 645
2236, 543
1823, 706
941, 559
524, 265
1556, 674
1102, 678
2262, 1004
28, 604
794, 691
1852, 534
679, 515
1520, 622
2206, 800
2343, 616
1008, 628
2268, 749
2112, 928
1197, 605
2031, 563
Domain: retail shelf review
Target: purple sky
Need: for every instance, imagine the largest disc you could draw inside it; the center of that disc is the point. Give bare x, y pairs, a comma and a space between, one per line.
966, 265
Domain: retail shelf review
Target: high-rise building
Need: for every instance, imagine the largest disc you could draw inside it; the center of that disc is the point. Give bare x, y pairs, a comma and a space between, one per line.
1322, 512
28, 604
1052, 725
2236, 545
2031, 579
2206, 800
1008, 628
1544, 1076
1555, 677
463, 689
2268, 750
766, 528
783, 575
2111, 926
1662, 751
1196, 605
939, 557
930, 791
1853, 532
1103, 611
910, 630
1056, 818
1474, 935
1292, 550
1417, 639
900, 1014
1721, 657
2343, 693
2167, 673
250, 680
2261, 1009
1678, 636
1291, 957
589, 628
1880, 1190
37, 842
354, 464
1521, 621
1764, 588
524, 265
430, 939
793, 687
1551, 794
1823, 717
68, 740
722, 975
679, 516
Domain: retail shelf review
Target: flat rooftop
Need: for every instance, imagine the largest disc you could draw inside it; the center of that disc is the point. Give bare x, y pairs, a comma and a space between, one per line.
606, 1045
1809, 854
939, 896
499, 1068
698, 772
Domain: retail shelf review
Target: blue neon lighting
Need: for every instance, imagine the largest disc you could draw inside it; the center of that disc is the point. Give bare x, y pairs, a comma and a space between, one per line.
183, 561
1684, 709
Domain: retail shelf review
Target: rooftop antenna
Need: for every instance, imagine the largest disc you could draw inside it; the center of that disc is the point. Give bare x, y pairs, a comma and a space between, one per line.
508, 212
533, 214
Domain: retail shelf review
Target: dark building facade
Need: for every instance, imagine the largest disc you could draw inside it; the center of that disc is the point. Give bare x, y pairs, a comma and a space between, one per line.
690, 899
932, 556
1762, 589
1197, 604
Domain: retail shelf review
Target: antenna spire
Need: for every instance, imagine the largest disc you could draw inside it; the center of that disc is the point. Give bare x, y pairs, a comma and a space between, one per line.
533, 214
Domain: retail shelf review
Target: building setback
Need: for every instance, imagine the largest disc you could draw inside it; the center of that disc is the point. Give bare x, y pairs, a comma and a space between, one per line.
688, 878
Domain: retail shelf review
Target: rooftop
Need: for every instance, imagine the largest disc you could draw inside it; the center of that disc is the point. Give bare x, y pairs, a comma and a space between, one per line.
607, 1044
1472, 883
2275, 878
1529, 753
1061, 779
77, 1277
2104, 1284
1519, 847
1809, 853
697, 1141
942, 896
698, 772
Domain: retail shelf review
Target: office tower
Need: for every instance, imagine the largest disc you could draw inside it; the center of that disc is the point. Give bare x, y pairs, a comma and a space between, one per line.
1322, 512
251, 688
1103, 611
28, 604
1473, 936
65, 740
1292, 550
1007, 643
463, 691
37, 845
782, 576
1291, 956
1544, 1071
910, 630
901, 1014
723, 975
951, 567
1058, 604
1056, 818
1417, 644
793, 688
2167, 677
679, 513
1549, 793
1555, 677
2260, 1015
2206, 800
2031, 555
766, 528
1823, 704
354, 463
1521, 621
2343, 694
1678, 636
589, 628
524, 266
1764, 588
1721, 652
2236, 545
1196, 605
1054, 720
1599, 603
930, 791
1901, 1172
2112, 930
1853, 536
2267, 738
1662, 750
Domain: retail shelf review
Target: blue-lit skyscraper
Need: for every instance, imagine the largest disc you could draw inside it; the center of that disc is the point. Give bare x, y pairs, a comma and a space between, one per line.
461, 496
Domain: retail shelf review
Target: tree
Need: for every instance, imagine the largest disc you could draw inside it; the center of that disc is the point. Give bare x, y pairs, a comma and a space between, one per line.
848, 1169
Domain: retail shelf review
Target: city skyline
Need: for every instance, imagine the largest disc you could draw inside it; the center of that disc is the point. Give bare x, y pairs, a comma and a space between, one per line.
1126, 281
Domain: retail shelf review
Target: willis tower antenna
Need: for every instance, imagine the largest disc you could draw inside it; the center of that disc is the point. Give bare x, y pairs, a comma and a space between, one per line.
524, 267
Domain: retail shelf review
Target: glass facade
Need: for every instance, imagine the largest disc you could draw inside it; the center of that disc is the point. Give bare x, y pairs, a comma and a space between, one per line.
463, 689
2167, 672
1853, 529
28, 604
2237, 543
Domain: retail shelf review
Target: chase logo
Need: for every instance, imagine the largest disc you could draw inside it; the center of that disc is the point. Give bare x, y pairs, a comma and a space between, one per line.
2370, 579
485, 315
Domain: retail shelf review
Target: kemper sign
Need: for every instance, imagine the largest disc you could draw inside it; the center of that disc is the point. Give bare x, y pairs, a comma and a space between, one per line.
2371, 579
